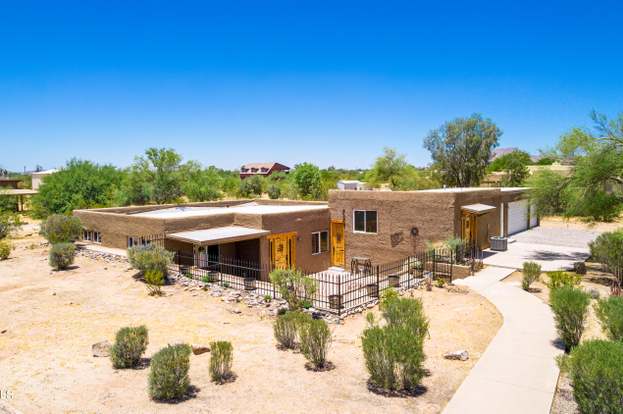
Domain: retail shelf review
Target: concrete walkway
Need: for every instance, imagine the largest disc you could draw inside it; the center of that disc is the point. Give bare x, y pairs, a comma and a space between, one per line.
517, 372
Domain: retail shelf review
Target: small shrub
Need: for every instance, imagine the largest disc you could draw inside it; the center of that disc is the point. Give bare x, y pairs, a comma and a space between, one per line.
570, 307
154, 280
8, 223
440, 282
59, 228
5, 249
596, 372
560, 279
144, 258
286, 328
168, 376
130, 344
274, 192
268, 298
610, 314
221, 358
294, 287
531, 273
315, 340
62, 255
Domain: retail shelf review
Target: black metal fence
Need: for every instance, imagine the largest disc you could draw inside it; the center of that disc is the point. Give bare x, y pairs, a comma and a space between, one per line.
338, 292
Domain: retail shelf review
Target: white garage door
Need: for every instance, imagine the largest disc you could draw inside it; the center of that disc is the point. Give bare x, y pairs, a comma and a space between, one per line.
517, 216
533, 216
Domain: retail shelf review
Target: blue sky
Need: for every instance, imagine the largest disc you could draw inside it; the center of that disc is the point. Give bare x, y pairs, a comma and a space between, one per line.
328, 82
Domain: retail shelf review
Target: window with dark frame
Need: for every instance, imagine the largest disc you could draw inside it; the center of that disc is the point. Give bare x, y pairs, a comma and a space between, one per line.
365, 221
320, 242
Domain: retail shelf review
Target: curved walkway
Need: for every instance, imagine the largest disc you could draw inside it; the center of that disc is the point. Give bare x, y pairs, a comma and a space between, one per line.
517, 373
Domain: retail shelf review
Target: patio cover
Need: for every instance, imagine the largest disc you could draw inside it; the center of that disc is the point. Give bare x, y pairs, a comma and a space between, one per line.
218, 235
478, 208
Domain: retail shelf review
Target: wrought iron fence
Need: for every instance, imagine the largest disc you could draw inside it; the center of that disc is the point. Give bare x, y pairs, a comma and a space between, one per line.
338, 292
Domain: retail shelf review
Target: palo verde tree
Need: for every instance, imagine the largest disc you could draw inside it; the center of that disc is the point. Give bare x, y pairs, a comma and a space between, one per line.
461, 149
515, 164
307, 181
155, 176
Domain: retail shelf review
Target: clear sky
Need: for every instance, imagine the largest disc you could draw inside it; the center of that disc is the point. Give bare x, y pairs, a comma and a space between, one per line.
331, 82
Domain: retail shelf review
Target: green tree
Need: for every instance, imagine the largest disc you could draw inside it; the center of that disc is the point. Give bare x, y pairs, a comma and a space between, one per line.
515, 164
251, 186
161, 167
308, 181
387, 168
201, 184
461, 149
81, 184
546, 192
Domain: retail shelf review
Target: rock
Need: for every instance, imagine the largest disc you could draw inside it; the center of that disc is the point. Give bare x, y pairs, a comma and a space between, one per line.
237, 311
3, 331
101, 349
200, 349
461, 355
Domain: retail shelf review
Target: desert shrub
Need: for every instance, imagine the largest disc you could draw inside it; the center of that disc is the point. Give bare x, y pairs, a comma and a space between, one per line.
154, 280
531, 273
8, 223
5, 249
59, 228
221, 358
274, 192
608, 248
62, 255
293, 286
610, 314
130, 344
596, 371
168, 376
394, 353
151, 257
286, 329
440, 282
560, 279
315, 340
570, 307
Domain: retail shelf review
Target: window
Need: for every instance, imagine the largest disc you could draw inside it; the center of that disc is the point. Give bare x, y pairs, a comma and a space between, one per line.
92, 236
320, 242
364, 221
134, 241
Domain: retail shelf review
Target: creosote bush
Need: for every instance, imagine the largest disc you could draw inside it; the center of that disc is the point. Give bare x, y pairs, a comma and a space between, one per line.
151, 257
154, 280
168, 376
5, 249
286, 328
59, 228
531, 273
315, 340
570, 307
130, 344
394, 352
8, 223
62, 255
610, 314
596, 371
560, 279
294, 287
221, 359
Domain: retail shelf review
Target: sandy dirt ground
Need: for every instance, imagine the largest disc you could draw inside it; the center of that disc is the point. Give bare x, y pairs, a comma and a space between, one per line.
574, 223
51, 319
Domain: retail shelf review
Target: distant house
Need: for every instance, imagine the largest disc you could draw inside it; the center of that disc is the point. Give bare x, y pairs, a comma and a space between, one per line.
263, 169
351, 185
39, 176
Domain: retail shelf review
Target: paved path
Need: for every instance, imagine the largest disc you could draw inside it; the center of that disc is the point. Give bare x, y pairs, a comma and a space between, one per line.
517, 372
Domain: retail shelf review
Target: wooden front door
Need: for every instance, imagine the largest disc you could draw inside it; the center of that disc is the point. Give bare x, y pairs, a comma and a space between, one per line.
282, 250
337, 243
468, 228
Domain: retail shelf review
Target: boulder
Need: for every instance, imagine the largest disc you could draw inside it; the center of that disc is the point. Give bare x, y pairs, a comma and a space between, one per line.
200, 349
461, 355
101, 349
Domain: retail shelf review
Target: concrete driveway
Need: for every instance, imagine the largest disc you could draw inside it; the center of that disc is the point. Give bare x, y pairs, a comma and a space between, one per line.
554, 248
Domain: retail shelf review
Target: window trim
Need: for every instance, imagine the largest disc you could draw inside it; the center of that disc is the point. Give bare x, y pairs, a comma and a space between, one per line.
365, 221
92, 236
319, 245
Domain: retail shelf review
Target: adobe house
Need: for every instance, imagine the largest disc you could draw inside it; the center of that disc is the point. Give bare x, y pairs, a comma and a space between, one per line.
389, 225
269, 233
262, 169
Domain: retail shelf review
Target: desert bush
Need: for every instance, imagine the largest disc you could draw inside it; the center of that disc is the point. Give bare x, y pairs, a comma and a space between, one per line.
531, 273
274, 192
62, 255
286, 329
608, 248
560, 279
570, 307
168, 376
59, 228
5, 249
596, 372
154, 280
130, 344
293, 286
144, 258
8, 223
394, 353
221, 359
610, 314
315, 340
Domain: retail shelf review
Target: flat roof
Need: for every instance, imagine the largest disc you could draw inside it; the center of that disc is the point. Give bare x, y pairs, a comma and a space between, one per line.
247, 208
218, 235
17, 191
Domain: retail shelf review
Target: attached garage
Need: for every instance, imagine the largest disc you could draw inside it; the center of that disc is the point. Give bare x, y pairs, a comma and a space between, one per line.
534, 220
517, 216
